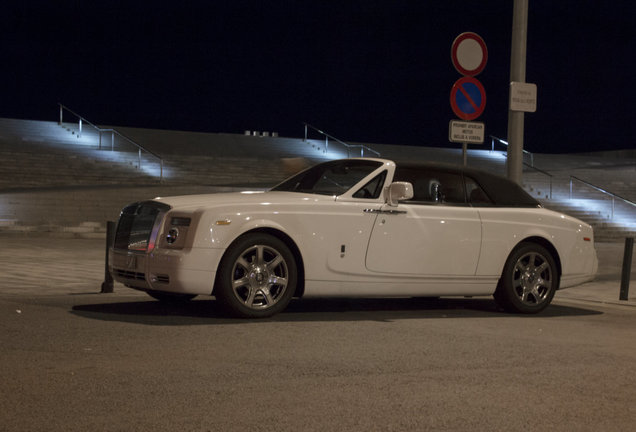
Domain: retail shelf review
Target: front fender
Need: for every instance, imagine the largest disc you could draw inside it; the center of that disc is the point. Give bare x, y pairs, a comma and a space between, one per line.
219, 231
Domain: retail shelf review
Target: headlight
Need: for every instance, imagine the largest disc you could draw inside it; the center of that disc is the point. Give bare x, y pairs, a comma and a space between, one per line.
172, 235
176, 231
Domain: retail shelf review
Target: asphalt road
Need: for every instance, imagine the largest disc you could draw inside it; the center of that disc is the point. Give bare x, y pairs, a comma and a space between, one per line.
75, 360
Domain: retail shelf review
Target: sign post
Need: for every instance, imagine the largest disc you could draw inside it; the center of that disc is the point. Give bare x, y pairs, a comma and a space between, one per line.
514, 162
468, 96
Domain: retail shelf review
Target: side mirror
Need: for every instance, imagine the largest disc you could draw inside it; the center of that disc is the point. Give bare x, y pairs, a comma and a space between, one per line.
398, 191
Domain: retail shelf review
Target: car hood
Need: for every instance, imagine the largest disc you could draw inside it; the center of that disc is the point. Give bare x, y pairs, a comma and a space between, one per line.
194, 202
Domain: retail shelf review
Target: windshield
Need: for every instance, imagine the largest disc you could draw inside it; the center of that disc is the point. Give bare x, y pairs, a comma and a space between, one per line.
329, 178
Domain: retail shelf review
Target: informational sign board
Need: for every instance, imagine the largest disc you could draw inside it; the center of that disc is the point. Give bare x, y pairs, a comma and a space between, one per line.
468, 98
466, 132
469, 54
523, 97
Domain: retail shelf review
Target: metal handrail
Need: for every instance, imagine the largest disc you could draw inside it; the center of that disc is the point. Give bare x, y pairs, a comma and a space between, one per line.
113, 132
531, 165
540, 171
600, 189
492, 148
347, 146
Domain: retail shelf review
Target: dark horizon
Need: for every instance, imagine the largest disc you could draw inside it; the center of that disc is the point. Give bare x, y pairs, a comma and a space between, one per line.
363, 71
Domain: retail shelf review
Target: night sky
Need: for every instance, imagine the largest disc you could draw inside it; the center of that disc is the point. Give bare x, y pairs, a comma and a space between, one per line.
362, 70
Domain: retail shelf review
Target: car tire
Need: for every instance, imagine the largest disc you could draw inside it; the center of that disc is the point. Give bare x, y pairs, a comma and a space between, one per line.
529, 280
257, 277
167, 297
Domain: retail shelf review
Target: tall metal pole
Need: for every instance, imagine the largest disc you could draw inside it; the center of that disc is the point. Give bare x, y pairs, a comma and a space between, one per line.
514, 165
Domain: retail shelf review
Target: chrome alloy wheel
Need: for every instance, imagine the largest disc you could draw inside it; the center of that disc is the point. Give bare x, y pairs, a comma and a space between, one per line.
532, 279
259, 277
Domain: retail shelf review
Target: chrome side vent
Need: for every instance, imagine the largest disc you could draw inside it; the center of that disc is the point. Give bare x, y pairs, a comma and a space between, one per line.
162, 279
125, 274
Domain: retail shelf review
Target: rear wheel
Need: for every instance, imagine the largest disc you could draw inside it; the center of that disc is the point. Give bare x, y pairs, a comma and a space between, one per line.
257, 277
529, 280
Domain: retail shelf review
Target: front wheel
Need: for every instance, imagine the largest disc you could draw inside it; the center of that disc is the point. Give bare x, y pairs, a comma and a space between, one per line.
529, 280
257, 277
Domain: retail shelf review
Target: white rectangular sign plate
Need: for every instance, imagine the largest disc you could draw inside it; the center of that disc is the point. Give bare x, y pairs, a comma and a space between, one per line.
468, 132
523, 97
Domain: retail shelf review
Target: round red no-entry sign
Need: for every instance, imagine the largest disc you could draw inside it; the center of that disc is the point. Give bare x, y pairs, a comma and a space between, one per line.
469, 54
468, 98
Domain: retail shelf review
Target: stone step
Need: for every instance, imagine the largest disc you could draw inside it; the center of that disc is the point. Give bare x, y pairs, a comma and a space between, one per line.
71, 207
598, 214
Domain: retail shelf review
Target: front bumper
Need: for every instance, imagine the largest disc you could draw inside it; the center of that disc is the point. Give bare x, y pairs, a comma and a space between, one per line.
186, 271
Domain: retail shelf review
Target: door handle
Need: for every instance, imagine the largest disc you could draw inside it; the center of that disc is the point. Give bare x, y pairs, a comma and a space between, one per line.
384, 211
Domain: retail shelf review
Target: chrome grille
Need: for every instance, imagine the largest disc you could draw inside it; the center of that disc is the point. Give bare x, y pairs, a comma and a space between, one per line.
138, 224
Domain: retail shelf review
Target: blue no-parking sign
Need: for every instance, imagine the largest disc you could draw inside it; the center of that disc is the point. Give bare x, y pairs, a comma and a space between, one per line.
468, 98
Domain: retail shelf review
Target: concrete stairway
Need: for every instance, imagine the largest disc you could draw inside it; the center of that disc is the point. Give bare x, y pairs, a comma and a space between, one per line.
51, 179
220, 145
44, 155
598, 213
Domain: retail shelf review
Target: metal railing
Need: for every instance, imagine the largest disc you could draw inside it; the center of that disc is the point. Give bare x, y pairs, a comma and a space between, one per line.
113, 133
545, 173
505, 143
530, 165
613, 196
348, 147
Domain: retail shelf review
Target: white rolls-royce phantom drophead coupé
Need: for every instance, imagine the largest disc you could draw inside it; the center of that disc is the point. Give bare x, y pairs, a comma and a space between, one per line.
355, 228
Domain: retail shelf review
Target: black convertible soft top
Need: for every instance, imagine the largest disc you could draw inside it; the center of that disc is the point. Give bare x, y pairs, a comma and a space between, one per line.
502, 191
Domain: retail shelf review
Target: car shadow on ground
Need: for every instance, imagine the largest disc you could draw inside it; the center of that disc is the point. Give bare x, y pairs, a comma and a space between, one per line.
207, 311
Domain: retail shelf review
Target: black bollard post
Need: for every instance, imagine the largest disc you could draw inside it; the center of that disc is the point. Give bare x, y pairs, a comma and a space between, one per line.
627, 268
107, 285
